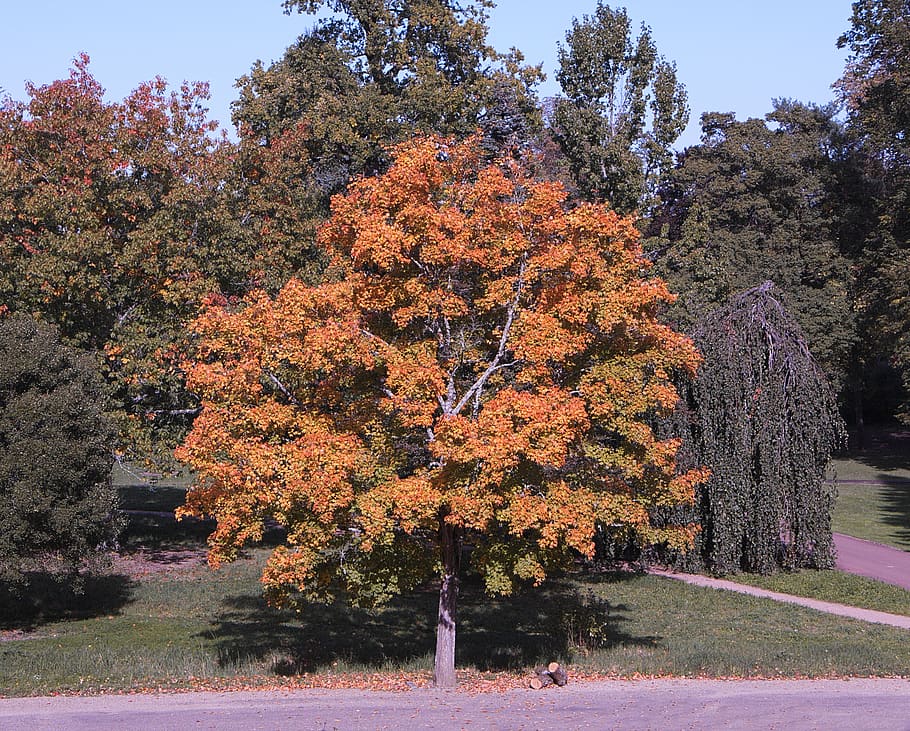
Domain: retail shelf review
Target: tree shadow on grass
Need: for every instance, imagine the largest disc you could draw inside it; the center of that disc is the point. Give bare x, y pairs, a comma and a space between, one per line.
46, 599
886, 449
160, 531
528, 629
895, 492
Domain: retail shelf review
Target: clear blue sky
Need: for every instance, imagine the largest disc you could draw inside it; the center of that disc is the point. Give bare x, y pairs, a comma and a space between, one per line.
732, 55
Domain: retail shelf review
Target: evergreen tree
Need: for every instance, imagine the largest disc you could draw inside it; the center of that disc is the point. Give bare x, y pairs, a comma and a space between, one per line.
755, 203
56, 501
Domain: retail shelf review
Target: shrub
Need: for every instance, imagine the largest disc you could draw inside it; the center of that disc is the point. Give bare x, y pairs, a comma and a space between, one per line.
57, 506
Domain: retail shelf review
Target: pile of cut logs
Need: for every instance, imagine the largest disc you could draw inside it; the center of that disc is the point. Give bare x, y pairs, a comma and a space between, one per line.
552, 674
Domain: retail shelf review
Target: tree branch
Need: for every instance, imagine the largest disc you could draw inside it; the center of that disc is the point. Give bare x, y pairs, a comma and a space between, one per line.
511, 312
281, 387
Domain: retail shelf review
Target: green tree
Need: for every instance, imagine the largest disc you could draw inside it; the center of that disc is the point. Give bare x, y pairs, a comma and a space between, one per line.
761, 415
755, 202
623, 109
57, 506
376, 73
371, 76
114, 226
876, 89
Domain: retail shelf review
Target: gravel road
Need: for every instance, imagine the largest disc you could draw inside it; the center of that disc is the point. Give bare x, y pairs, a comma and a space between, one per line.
665, 705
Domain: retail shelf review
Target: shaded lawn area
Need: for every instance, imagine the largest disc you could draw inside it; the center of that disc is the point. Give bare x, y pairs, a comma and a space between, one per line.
874, 490
190, 627
182, 625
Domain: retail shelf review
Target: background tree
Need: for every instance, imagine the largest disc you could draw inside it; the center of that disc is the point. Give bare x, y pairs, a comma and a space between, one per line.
623, 109
114, 226
754, 203
761, 415
427, 55
278, 200
372, 75
481, 366
876, 89
56, 501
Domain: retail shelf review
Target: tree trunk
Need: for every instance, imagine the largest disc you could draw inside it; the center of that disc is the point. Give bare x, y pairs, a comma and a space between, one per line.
444, 668
859, 416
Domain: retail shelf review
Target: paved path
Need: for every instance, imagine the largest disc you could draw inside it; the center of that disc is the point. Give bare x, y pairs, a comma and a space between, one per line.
854, 556
874, 560
867, 615
667, 705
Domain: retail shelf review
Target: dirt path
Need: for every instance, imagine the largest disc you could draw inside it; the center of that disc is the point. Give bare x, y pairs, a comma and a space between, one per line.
668, 705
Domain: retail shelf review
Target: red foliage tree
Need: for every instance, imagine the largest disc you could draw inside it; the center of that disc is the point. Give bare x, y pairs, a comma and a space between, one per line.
114, 226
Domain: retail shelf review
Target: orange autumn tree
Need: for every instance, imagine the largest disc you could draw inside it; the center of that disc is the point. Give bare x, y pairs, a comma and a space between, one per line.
482, 365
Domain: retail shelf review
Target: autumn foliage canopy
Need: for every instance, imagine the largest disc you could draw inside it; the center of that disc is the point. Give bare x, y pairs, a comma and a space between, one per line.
481, 363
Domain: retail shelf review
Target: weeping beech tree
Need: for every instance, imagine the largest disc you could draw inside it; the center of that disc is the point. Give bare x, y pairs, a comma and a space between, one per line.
764, 419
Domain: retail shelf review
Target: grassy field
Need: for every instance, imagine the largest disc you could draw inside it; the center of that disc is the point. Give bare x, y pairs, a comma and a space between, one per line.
874, 491
835, 586
163, 619
183, 625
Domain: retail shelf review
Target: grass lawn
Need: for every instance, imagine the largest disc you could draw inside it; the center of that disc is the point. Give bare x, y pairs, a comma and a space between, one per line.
179, 624
187, 626
834, 586
874, 491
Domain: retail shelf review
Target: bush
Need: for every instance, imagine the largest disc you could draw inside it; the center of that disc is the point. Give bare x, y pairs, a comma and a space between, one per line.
57, 506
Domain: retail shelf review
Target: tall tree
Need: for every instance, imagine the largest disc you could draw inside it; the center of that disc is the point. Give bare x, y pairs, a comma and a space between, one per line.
372, 75
482, 366
624, 108
755, 203
379, 71
57, 506
762, 416
876, 89
113, 226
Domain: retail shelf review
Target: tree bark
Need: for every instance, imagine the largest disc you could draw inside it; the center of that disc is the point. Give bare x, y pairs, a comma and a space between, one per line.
444, 667
859, 416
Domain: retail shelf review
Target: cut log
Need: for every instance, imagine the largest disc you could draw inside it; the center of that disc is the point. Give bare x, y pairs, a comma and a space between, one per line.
558, 673
552, 674
542, 678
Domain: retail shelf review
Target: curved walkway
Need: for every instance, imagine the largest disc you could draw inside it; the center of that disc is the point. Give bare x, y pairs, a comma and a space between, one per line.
873, 560
854, 556
867, 615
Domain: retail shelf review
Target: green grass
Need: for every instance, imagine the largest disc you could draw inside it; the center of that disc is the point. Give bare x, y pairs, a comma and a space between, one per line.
834, 586
876, 512
874, 491
185, 627
134, 474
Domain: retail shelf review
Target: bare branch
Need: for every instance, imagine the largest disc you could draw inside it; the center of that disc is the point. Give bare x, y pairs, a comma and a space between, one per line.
511, 313
281, 387
177, 412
